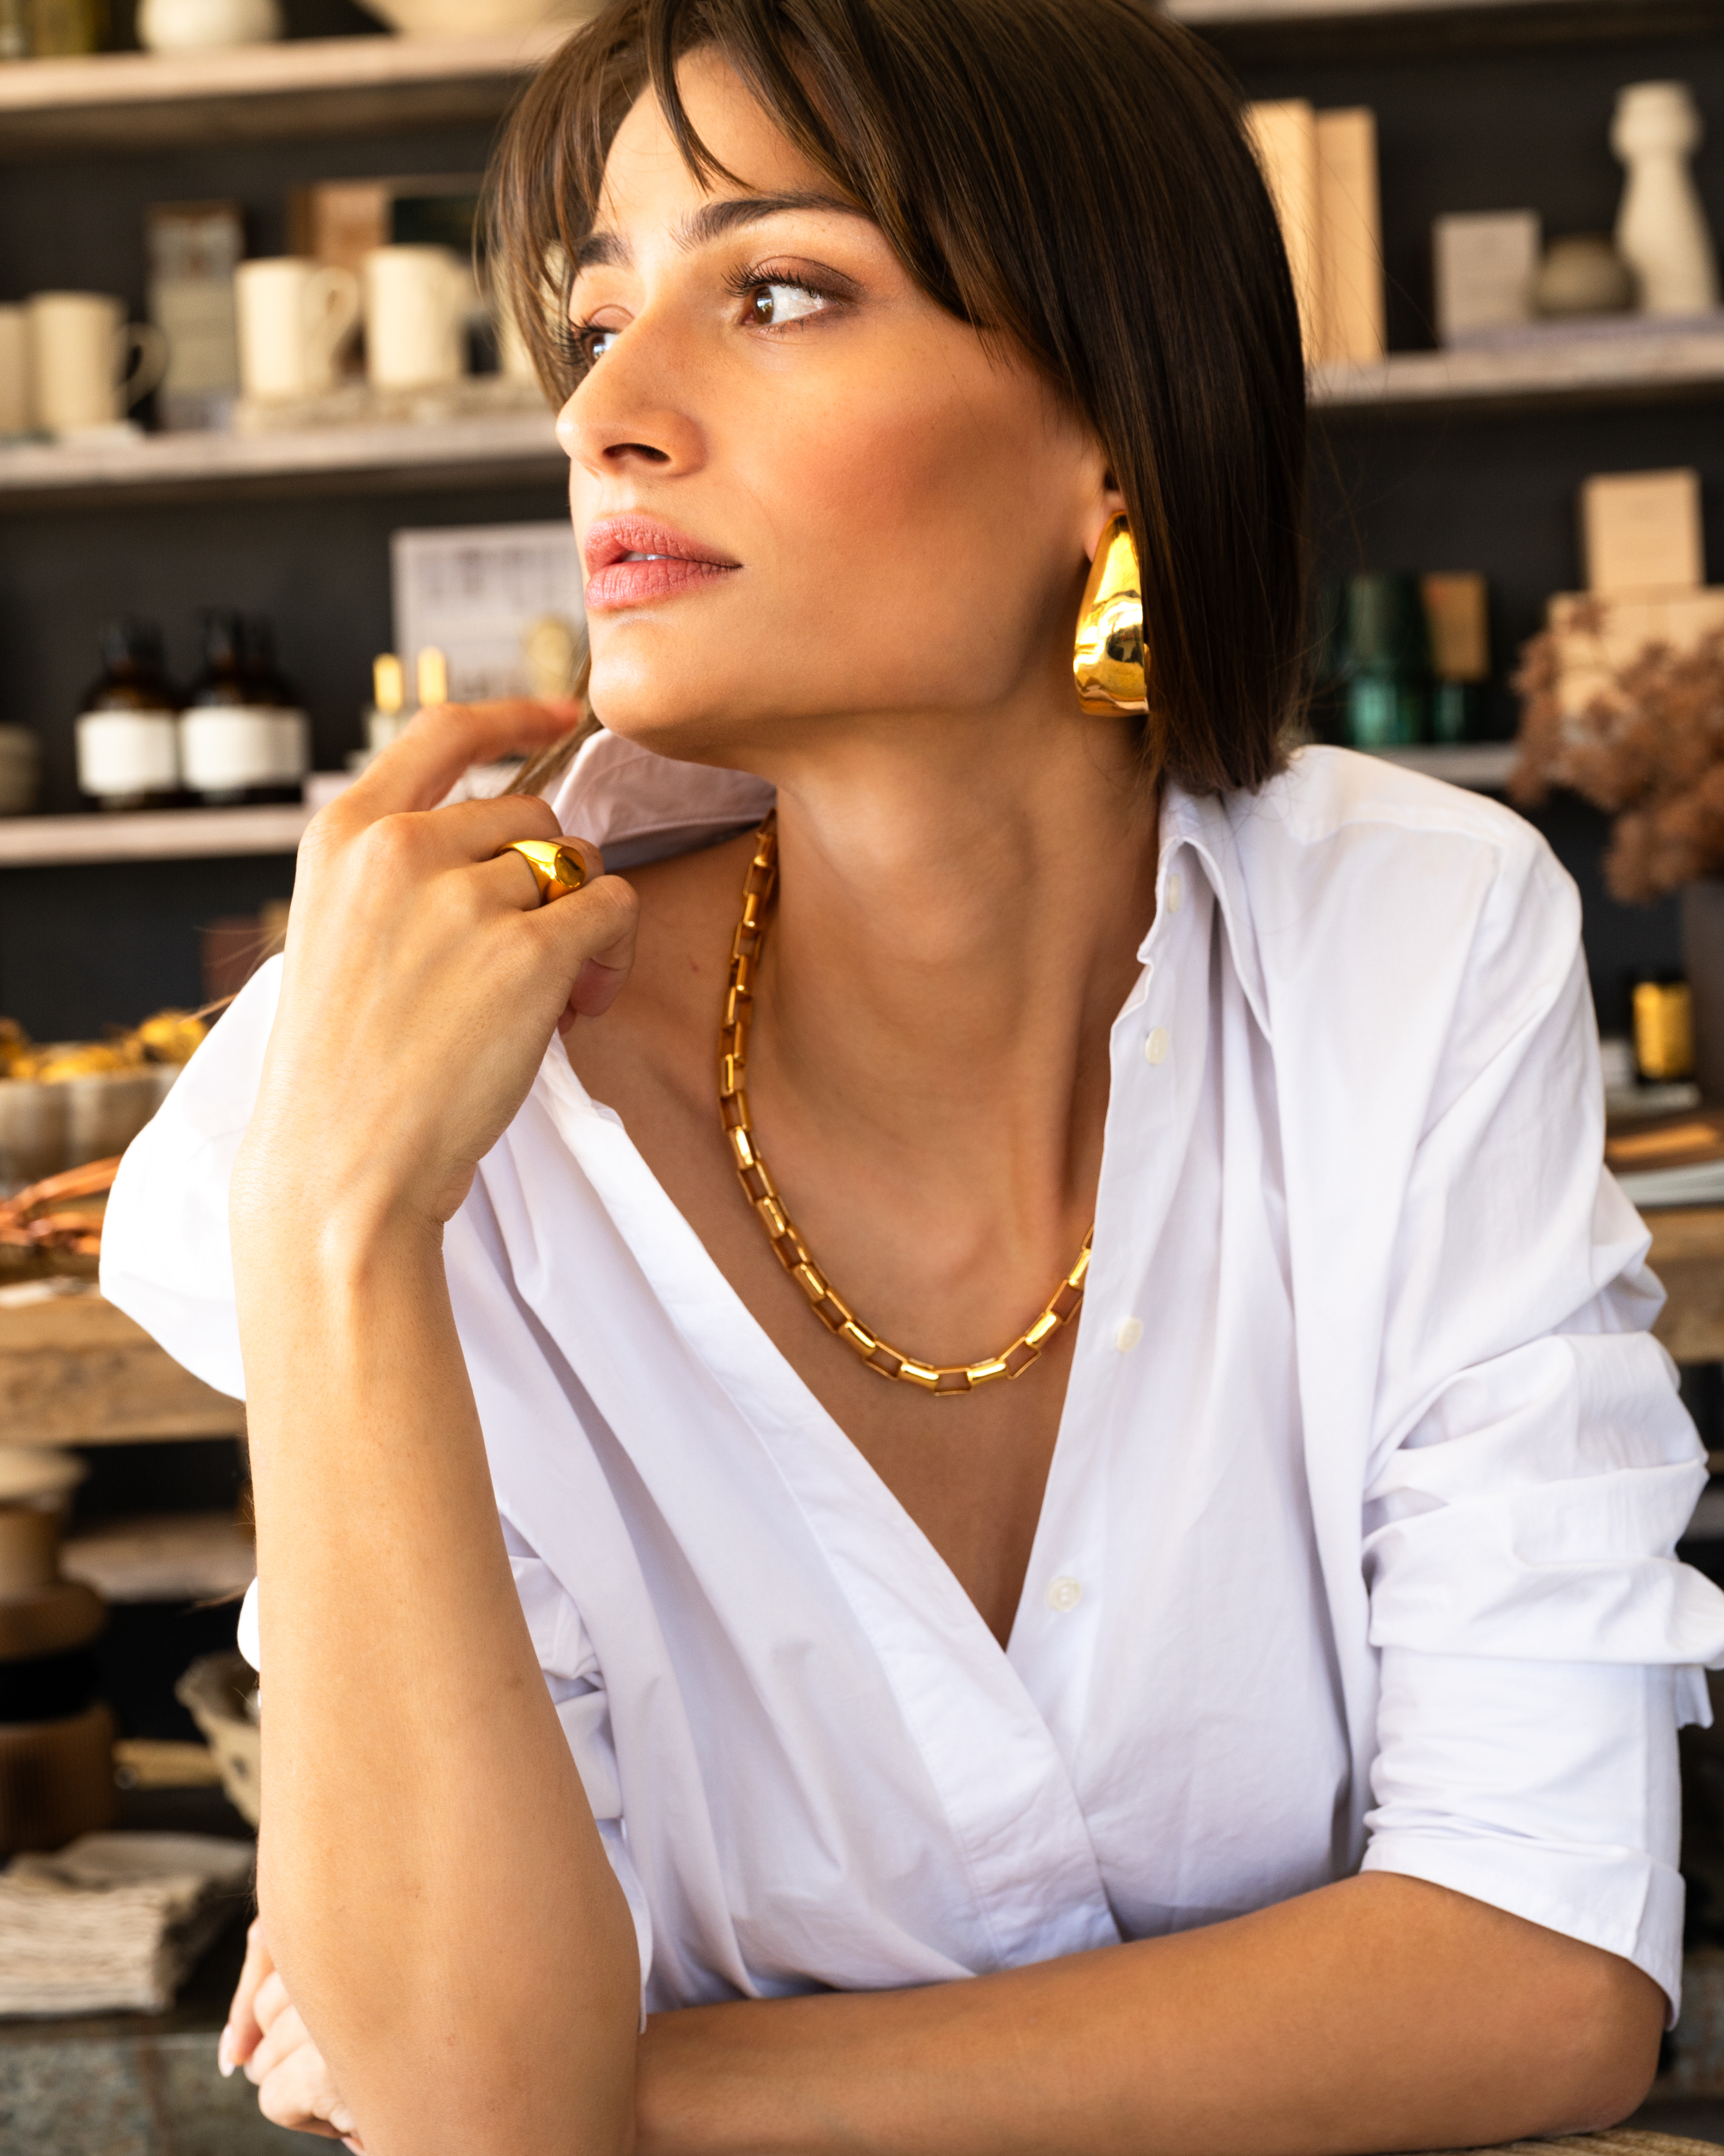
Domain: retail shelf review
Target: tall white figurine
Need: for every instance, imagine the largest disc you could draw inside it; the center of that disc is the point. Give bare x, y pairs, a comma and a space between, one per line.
1662, 230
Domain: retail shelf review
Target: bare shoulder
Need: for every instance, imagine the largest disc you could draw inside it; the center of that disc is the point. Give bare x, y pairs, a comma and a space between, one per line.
659, 1033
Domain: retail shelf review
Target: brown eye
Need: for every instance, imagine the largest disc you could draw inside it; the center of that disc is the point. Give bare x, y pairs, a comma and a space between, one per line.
774, 305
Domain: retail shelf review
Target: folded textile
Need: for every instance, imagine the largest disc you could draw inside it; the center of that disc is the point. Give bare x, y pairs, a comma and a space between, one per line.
114, 1921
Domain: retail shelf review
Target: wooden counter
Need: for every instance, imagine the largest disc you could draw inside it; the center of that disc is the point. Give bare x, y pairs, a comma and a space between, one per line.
74, 1370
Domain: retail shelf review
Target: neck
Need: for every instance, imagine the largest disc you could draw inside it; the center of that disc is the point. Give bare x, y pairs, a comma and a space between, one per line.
960, 906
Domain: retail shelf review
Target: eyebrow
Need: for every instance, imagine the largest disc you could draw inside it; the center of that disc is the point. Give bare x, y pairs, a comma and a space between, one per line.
711, 222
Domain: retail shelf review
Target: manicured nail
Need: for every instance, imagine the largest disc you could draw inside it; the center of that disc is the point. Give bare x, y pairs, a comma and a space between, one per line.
224, 2053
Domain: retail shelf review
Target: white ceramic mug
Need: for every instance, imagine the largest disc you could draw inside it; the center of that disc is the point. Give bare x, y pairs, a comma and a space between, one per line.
89, 364
17, 406
417, 300
293, 315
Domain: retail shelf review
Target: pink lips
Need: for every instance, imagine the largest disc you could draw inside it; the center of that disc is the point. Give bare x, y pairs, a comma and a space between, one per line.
633, 559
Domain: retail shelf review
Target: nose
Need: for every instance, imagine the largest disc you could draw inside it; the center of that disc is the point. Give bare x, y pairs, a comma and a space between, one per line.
619, 421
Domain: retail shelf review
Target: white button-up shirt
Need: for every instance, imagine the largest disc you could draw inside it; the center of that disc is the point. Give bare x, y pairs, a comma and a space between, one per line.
1356, 1546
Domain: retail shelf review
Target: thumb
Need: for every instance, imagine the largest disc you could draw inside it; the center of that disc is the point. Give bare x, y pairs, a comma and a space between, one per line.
593, 932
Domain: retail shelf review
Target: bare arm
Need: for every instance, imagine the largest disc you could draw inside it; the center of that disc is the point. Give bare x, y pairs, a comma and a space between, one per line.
434, 1888
1378, 2014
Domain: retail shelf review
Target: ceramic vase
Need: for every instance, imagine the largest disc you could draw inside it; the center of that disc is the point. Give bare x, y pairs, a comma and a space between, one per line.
1662, 230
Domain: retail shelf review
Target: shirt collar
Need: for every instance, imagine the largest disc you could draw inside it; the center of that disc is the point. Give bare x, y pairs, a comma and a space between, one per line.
637, 806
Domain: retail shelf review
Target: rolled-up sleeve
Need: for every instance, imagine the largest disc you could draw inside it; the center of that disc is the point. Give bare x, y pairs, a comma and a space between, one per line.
1538, 1640
576, 1683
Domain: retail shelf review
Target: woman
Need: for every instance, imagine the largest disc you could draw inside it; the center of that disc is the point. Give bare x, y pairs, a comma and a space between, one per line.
1257, 1673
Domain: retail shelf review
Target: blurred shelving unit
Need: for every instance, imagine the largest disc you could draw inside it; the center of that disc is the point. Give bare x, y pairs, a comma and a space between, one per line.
131, 102
403, 456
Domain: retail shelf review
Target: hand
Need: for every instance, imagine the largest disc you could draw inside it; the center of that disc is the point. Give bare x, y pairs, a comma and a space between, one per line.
422, 983
266, 2037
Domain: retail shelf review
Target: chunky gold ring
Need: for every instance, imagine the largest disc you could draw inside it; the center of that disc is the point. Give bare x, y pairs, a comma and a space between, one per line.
556, 868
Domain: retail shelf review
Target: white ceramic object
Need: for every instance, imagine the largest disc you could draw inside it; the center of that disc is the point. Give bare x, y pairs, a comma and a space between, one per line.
87, 363
123, 756
294, 317
475, 19
226, 749
416, 301
193, 26
1661, 230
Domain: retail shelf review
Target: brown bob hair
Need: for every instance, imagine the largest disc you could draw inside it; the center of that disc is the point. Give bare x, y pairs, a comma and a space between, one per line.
1069, 175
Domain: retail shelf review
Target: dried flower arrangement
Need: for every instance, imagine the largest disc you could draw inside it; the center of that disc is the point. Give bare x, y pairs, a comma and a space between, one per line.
1648, 749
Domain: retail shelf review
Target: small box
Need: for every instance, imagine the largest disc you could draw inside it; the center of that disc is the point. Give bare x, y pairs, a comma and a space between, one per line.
1457, 611
1483, 267
193, 249
1640, 532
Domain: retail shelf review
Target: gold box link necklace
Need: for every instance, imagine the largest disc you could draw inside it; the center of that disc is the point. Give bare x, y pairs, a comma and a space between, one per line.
947, 1382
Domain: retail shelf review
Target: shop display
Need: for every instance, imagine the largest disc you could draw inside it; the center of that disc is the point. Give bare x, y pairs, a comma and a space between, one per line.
1582, 274
20, 770
88, 365
192, 250
418, 300
1388, 663
53, 29
1320, 169
294, 317
190, 26
1457, 616
18, 405
1641, 531
1661, 230
1483, 269
56, 1737
385, 716
128, 755
473, 592
64, 1103
242, 737
116, 1922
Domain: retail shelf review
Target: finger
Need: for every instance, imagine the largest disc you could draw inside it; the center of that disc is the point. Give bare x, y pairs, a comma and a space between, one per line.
240, 2036
463, 830
300, 2094
422, 762
270, 2008
521, 877
591, 932
285, 2035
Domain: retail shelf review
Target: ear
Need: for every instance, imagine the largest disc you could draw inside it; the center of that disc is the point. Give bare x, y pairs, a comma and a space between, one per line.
1108, 503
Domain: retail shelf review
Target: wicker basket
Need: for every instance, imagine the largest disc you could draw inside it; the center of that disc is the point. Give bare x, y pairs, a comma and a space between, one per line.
216, 1691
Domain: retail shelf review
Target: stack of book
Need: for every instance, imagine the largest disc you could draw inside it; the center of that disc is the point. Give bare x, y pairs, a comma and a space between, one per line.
1321, 168
114, 1921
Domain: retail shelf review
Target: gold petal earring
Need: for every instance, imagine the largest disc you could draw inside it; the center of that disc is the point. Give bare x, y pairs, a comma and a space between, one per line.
1109, 663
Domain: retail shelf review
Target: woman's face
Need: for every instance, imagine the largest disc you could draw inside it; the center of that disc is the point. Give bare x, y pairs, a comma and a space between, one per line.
803, 492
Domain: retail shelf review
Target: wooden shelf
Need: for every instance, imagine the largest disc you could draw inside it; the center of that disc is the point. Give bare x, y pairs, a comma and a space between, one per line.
1259, 30
1598, 366
306, 86
1586, 367
166, 834
463, 452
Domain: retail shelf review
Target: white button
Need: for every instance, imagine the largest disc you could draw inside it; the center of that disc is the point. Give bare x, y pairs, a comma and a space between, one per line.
1065, 1592
1176, 893
1130, 1332
1155, 1048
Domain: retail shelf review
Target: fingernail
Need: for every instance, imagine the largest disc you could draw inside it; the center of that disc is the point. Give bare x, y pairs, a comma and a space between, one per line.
224, 2053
